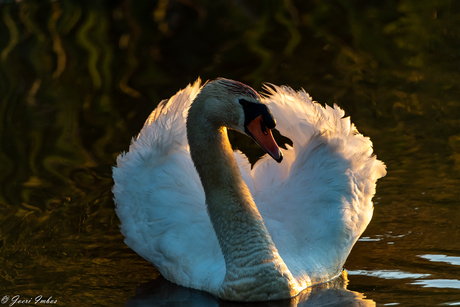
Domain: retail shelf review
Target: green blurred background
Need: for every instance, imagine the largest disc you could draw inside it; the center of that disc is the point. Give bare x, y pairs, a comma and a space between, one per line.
79, 78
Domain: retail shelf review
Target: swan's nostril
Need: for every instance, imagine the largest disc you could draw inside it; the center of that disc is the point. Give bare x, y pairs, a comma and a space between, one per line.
263, 128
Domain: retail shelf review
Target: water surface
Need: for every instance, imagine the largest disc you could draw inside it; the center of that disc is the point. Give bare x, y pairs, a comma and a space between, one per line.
79, 78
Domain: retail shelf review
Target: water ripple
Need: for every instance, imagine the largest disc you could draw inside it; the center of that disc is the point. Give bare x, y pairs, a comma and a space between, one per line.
388, 274
438, 283
442, 258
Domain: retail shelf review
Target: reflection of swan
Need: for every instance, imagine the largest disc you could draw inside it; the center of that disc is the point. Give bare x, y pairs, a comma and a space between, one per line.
160, 292
197, 222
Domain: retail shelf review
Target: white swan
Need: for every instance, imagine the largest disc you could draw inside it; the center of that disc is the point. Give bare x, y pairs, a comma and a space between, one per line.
184, 198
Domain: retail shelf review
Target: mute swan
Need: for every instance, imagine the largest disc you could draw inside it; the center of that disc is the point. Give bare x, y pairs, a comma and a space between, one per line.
187, 203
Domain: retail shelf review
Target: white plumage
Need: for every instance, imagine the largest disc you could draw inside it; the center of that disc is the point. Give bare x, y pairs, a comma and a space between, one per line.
315, 203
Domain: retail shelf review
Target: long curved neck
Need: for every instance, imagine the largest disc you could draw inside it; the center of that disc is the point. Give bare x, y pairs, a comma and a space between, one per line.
246, 245
230, 206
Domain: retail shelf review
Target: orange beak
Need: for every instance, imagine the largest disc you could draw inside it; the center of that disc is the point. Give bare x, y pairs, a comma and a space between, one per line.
263, 136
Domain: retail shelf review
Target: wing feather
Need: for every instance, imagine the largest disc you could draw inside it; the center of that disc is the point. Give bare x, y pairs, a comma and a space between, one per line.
320, 197
161, 202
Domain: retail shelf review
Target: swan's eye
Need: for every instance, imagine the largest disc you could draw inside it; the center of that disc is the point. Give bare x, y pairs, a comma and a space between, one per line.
263, 128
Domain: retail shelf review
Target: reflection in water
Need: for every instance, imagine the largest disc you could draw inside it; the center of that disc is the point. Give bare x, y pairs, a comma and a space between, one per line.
160, 292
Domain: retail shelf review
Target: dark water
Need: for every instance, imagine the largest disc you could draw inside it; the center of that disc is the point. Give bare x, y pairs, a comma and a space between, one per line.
78, 79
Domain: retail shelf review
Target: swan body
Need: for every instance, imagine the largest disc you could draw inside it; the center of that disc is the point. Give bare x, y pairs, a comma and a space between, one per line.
207, 221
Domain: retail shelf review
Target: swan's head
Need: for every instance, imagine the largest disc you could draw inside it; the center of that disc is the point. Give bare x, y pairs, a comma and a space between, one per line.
239, 107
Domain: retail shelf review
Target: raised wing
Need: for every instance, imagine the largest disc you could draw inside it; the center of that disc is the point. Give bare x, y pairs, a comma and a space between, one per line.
317, 202
160, 200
